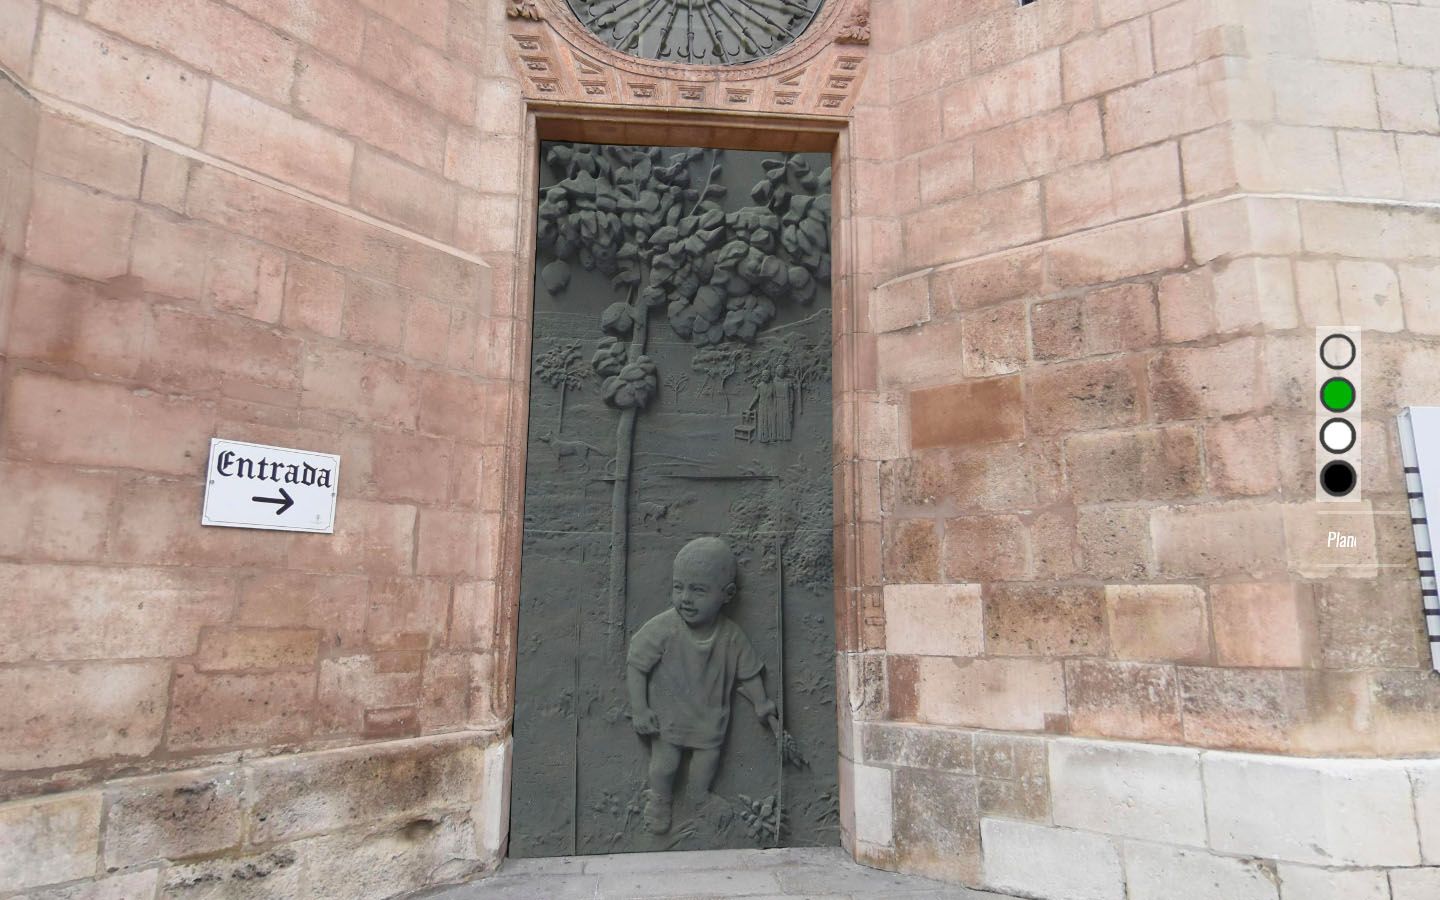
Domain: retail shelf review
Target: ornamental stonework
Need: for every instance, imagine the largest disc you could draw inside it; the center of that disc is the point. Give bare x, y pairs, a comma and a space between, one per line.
808, 65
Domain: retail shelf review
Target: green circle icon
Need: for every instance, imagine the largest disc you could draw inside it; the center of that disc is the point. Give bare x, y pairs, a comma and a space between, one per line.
1338, 394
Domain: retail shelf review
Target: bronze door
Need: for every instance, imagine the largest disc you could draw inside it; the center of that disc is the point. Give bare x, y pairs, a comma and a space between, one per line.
677, 601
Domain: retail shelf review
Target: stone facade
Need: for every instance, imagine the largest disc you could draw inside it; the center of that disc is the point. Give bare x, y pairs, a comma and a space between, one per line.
1091, 639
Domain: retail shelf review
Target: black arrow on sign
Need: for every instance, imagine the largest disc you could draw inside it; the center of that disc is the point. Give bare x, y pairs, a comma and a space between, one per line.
283, 501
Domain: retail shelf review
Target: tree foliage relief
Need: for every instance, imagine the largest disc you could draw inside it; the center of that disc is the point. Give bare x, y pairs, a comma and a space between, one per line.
655, 222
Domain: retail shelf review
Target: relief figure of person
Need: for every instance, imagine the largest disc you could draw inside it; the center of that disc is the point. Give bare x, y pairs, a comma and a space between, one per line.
684, 666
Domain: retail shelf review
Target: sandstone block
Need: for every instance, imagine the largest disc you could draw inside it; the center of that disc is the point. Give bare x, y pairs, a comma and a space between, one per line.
329, 791
1417, 29
314, 297
972, 285
1038, 146
986, 548
928, 354
1155, 464
172, 817
1216, 381
95, 69
874, 810
1414, 884
1309, 883
411, 198
1117, 252
1368, 624
1204, 541
998, 220
1083, 396
336, 27
1426, 779
1324, 93
1136, 701
17, 34
53, 514
1150, 793
254, 134
1264, 625
910, 552
273, 873
916, 747
1114, 542
1158, 623
1371, 164
1165, 106
239, 709
339, 98
49, 840
1003, 95
333, 604
937, 824
93, 157
1106, 60
77, 231
246, 278
1153, 872
1187, 306
66, 321
61, 715
972, 412
380, 390
208, 36
1041, 620
249, 649
1100, 323
1407, 100
76, 613
994, 341
420, 71
353, 684
1238, 456
1341, 812
1051, 862
900, 304
1006, 694
1369, 295
166, 179
933, 620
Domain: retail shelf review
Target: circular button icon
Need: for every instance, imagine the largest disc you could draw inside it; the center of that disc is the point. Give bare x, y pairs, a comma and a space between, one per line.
1338, 478
1338, 394
1337, 351
1337, 436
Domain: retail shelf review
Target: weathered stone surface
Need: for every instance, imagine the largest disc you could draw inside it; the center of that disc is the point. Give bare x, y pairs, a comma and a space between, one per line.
327, 791
236, 709
66, 714
126, 886
1320, 812
1123, 700
276, 874
48, 841
1266, 625
1309, 883
917, 747
1148, 793
937, 824
874, 809
172, 817
1158, 623
1037, 861
1011, 694
1154, 872
978, 412
1035, 620
933, 620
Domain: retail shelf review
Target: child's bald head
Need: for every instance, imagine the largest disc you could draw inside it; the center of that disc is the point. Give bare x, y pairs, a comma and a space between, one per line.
710, 556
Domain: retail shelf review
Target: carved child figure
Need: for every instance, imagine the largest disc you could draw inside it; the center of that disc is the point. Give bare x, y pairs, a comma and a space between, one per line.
684, 664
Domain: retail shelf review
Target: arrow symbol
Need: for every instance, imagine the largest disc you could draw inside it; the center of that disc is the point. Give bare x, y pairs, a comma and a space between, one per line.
283, 501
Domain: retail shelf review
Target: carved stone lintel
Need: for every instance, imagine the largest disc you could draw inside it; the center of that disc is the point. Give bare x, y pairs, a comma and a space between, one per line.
523, 9
856, 29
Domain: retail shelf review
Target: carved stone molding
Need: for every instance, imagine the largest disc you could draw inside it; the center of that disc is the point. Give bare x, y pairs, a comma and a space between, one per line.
560, 62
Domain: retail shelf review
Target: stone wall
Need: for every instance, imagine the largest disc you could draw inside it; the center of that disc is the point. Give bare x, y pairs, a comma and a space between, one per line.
292, 223
1101, 235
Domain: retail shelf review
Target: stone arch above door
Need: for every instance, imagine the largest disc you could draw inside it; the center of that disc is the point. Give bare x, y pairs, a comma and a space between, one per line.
819, 74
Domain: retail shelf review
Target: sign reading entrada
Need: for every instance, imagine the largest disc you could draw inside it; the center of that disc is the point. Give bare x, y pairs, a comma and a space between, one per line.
274, 488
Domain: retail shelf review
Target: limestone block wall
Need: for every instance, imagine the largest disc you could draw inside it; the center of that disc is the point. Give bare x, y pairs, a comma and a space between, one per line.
1098, 236
292, 223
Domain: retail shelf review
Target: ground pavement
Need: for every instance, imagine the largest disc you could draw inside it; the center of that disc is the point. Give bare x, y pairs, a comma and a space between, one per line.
813, 874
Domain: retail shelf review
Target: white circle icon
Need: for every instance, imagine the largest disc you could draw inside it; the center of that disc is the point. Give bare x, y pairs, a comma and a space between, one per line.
1337, 435
1337, 351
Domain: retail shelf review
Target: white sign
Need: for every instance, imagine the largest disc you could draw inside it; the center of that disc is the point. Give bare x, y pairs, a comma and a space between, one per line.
275, 488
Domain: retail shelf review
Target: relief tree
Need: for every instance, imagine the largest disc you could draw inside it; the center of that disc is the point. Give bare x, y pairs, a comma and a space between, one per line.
655, 223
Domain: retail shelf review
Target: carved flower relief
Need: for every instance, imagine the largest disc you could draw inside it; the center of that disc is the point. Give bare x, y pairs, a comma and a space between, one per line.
524, 9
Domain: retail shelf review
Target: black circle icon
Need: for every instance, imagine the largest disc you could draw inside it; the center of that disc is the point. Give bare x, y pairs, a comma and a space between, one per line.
1337, 351
1338, 478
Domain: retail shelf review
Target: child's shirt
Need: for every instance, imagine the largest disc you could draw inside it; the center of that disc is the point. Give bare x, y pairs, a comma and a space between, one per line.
691, 681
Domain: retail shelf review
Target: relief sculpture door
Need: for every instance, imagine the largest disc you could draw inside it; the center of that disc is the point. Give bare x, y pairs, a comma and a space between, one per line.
676, 661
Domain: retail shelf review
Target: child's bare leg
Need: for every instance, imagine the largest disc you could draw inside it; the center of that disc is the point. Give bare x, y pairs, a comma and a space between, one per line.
664, 764
703, 766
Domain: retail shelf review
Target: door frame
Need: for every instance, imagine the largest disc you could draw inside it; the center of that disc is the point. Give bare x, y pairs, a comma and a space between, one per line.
857, 530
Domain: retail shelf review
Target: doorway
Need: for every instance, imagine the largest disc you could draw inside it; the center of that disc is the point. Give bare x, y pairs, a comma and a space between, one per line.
676, 620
